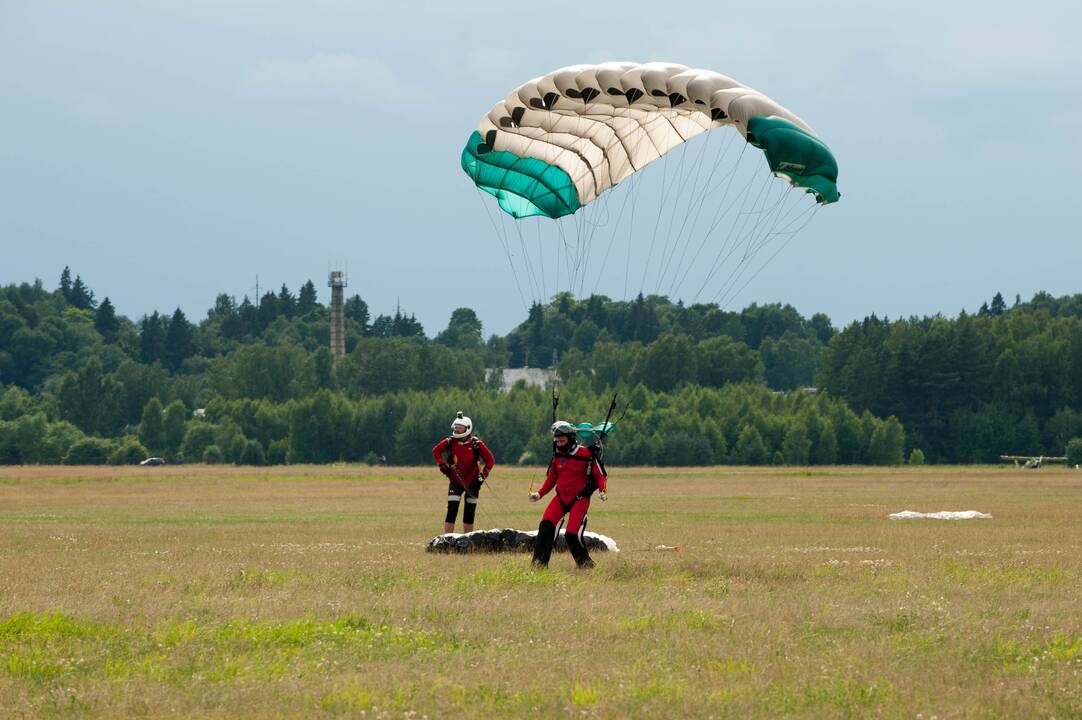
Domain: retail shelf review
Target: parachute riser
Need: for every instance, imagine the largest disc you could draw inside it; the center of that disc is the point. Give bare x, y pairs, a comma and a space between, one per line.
555, 405
598, 447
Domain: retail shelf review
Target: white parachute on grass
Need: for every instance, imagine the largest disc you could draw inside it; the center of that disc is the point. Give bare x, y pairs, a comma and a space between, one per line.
941, 515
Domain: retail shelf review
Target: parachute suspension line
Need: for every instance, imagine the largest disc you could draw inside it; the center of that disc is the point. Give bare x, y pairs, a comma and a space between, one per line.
753, 215
568, 262
579, 221
660, 209
748, 241
529, 264
576, 262
540, 256
633, 191
810, 214
674, 287
795, 225
782, 219
725, 184
585, 229
688, 177
504, 511
673, 242
556, 259
732, 238
612, 238
506, 247
593, 226
772, 219
725, 205
531, 274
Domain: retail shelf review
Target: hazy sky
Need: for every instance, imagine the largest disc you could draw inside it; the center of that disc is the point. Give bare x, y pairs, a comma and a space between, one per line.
171, 151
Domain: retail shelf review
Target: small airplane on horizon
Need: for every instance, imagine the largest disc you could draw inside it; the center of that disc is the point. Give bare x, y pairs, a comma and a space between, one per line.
1032, 462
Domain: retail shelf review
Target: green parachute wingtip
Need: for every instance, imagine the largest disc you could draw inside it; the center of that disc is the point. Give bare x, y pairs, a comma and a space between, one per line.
523, 186
797, 155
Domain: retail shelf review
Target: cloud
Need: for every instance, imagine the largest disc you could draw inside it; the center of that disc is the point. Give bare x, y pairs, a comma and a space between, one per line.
334, 76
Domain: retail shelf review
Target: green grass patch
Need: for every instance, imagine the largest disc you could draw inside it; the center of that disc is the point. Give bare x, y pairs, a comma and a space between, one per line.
51, 645
1006, 574
508, 575
693, 619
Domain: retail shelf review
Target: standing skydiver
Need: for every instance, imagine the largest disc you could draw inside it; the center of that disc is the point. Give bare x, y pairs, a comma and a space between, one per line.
460, 458
575, 473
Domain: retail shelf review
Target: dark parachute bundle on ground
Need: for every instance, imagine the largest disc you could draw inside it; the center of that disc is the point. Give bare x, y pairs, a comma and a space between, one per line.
509, 540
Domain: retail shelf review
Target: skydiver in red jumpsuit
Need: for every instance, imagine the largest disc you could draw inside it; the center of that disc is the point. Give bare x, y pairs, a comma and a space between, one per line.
460, 458
575, 473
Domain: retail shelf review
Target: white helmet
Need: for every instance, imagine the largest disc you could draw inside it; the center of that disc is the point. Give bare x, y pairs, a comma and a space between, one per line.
463, 422
563, 427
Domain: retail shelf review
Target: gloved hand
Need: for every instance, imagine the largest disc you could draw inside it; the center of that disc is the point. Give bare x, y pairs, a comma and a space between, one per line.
535, 496
603, 495
445, 470
481, 479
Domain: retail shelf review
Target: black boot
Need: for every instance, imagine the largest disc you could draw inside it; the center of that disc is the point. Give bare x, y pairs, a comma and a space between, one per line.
542, 548
578, 551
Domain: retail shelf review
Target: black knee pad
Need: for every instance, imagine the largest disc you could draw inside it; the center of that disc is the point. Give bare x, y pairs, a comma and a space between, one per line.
469, 511
542, 549
452, 510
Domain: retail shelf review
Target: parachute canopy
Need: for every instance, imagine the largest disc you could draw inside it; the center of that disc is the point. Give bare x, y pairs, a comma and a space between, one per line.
588, 434
557, 142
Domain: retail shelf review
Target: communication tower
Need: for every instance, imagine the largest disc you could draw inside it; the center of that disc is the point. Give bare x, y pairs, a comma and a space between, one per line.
337, 282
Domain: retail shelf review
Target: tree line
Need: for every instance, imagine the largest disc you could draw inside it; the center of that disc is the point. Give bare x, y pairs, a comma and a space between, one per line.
970, 388
738, 424
75, 374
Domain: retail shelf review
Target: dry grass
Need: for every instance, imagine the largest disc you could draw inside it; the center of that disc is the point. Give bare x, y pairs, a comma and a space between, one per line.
305, 592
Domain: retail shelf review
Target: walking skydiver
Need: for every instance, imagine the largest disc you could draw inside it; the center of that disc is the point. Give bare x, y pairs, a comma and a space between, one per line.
575, 473
466, 461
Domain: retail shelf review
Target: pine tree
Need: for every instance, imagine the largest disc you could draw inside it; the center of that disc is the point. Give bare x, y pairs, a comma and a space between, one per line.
268, 310
65, 284
105, 320
179, 341
249, 317
402, 326
287, 304
306, 299
356, 310
81, 297
151, 338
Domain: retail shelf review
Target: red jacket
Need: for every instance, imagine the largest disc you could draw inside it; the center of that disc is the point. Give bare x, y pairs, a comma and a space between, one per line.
568, 473
466, 454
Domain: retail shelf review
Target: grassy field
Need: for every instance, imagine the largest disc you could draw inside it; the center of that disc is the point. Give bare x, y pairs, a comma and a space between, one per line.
306, 592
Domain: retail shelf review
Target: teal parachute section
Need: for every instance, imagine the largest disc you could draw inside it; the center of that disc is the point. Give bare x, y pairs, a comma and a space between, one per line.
523, 186
588, 434
796, 154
